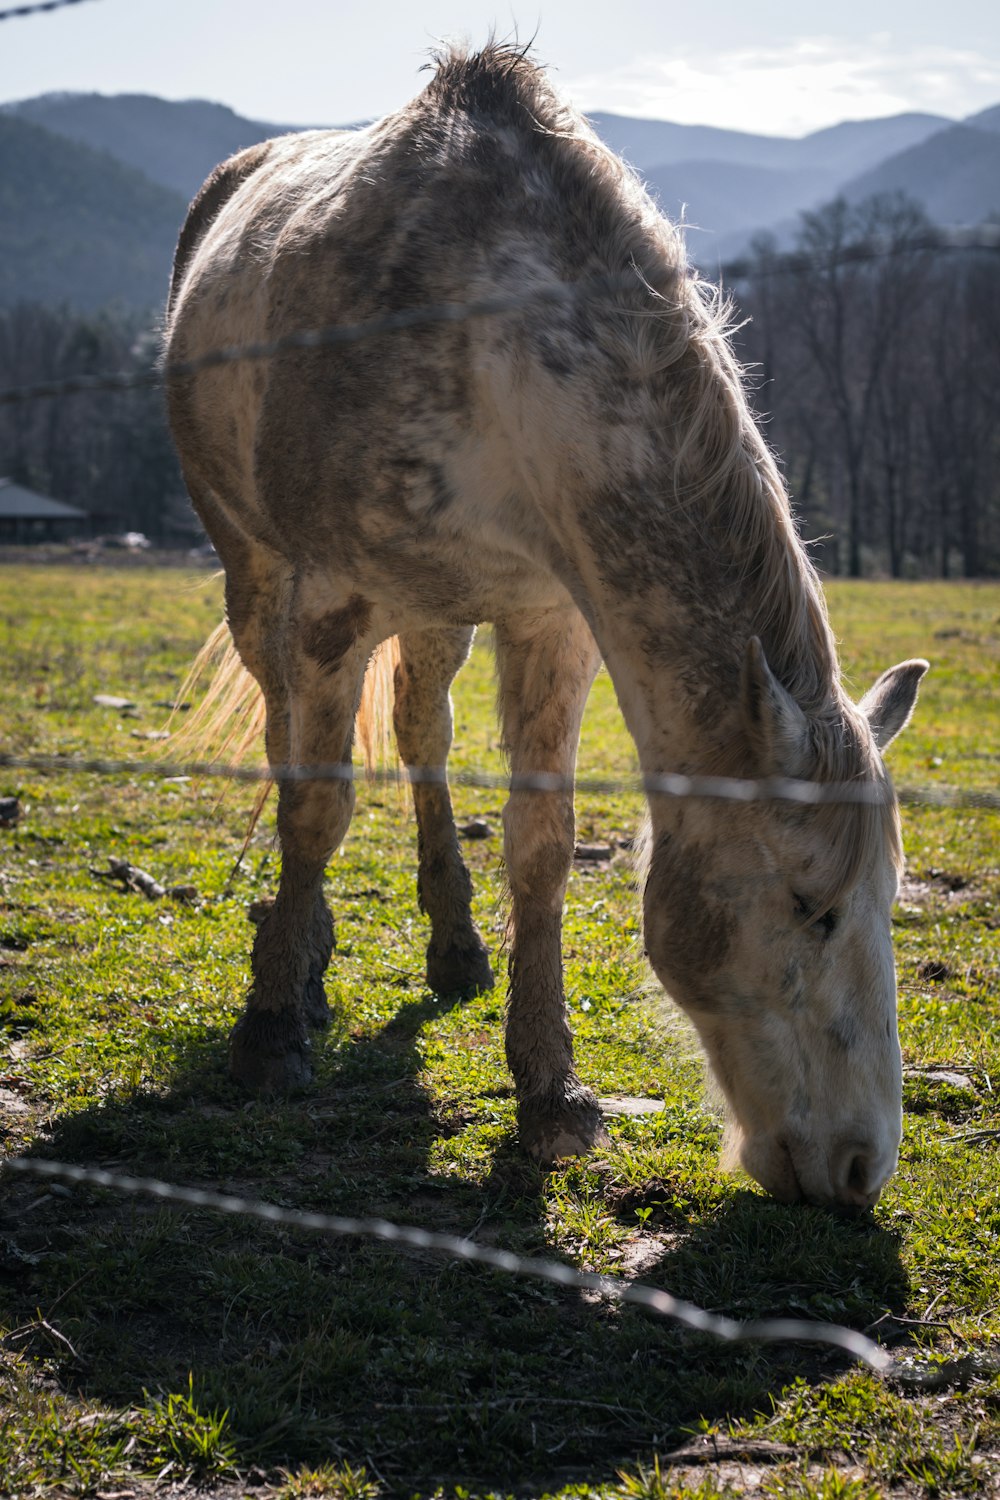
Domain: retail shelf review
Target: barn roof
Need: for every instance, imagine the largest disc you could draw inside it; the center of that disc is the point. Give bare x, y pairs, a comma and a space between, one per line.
20, 504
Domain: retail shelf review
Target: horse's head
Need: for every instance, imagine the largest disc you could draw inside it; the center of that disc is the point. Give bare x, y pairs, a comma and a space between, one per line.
769, 923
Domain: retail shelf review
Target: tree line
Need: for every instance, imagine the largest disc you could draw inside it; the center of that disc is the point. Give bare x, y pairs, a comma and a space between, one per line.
108, 452
874, 351
874, 346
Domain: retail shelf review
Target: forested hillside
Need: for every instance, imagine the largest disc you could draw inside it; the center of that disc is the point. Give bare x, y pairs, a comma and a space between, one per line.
174, 144
78, 227
877, 355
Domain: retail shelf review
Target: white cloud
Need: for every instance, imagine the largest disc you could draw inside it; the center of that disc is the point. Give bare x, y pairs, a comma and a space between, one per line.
790, 90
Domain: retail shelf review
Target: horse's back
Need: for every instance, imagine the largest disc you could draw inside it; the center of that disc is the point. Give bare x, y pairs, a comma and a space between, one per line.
414, 461
211, 197
233, 233
485, 180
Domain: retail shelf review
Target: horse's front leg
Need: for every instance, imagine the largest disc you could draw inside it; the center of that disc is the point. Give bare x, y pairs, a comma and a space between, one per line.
310, 723
546, 663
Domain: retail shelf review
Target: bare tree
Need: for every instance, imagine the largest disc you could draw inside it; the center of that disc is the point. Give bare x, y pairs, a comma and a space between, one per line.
108, 453
879, 357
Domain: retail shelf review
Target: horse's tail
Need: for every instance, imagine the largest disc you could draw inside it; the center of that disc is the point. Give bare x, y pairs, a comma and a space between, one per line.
229, 721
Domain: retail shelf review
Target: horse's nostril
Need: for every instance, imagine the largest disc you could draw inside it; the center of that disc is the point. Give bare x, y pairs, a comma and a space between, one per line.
856, 1183
857, 1176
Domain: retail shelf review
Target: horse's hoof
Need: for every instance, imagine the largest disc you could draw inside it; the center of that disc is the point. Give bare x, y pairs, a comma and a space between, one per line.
567, 1125
314, 1004
459, 971
267, 1055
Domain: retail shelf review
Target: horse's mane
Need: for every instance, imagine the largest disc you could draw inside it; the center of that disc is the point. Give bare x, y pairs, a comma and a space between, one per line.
675, 338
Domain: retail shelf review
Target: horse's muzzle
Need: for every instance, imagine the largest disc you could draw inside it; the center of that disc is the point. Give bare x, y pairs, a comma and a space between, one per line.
848, 1175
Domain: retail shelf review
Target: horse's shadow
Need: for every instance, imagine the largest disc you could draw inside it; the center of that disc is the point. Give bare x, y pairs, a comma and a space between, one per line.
426, 1370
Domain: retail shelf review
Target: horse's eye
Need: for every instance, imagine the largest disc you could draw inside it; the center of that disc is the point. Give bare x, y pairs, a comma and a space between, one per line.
825, 924
828, 922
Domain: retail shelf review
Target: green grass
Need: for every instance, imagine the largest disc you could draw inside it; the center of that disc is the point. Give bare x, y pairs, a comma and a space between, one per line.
143, 1346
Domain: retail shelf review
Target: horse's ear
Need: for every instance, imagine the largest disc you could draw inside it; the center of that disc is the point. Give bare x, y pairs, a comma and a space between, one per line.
888, 705
775, 724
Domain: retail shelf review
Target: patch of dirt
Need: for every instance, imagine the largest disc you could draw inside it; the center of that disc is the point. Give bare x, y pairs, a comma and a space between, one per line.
641, 1255
622, 1104
937, 885
941, 1075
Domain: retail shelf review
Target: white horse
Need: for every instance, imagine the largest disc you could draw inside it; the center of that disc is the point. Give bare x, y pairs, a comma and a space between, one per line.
586, 474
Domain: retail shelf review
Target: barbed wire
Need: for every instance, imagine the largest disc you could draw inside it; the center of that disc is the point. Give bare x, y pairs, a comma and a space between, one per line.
664, 1304
339, 335
14, 12
329, 337
665, 784
796, 263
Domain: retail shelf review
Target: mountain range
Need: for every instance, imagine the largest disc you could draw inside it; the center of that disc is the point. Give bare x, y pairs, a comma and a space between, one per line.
93, 188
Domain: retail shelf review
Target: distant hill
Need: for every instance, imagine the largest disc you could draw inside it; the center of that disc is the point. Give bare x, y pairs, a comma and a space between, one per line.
174, 144
955, 175
729, 185
93, 188
648, 144
76, 226
856, 145
844, 149
987, 119
721, 198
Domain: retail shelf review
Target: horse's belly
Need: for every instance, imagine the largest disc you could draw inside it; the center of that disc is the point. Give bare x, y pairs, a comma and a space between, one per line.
420, 590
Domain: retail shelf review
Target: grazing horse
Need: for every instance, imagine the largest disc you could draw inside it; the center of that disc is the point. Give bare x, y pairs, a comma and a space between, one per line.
585, 472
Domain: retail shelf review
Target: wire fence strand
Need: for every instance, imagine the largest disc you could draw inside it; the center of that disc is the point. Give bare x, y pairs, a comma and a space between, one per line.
341, 335
796, 263
15, 12
336, 335
666, 784
651, 1299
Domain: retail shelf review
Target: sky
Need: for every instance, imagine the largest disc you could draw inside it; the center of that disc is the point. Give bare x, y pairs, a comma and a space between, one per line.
781, 67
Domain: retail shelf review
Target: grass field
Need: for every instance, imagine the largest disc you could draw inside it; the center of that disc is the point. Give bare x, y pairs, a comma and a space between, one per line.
144, 1349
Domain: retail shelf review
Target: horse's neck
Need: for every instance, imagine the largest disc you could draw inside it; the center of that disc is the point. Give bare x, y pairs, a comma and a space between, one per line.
674, 614
671, 526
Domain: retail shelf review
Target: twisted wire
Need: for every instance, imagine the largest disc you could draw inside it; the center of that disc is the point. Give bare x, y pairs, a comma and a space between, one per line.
666, 784
15, 12
340, 335
414, 1237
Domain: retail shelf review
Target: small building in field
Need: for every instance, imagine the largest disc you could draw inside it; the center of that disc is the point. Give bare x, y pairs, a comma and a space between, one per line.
28, 517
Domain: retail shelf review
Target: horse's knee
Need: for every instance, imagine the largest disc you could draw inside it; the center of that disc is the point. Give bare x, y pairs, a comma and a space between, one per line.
314, 815
538, 847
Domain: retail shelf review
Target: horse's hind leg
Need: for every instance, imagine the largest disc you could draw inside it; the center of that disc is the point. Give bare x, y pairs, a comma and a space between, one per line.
457, 961
320, 940
546, 664
320, 664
